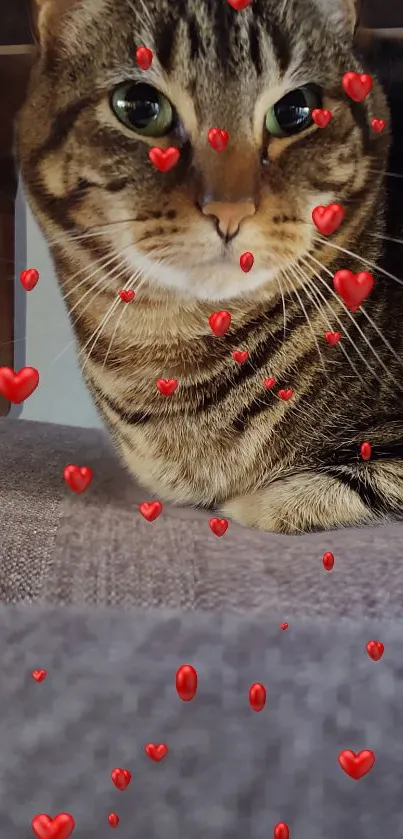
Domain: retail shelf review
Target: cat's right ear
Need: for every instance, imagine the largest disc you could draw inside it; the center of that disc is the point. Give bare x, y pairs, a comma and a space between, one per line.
46, 16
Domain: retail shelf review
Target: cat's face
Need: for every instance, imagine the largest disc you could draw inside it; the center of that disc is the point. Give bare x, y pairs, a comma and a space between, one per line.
93, 115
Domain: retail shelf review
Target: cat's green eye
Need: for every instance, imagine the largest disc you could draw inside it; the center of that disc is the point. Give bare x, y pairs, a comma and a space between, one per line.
293, 113
143, 109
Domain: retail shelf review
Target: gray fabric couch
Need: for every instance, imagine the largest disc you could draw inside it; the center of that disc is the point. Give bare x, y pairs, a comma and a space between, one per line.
111, 605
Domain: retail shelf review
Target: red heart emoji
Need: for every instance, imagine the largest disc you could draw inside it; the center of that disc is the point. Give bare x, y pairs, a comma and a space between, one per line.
121, 778
257, 696
375, 650
281, 831
61, 827
332, 338
286, 394
353, 288
218, 138
321, 117
239, 5
113, 819
164, 159
269, 383
167, 386
156, 752
378, 125
366, 451
218, 526
328, 561
126, 295
29, 278
240, 356
328, 219
144, 57
356, 765
220, 322
150, 510
78, 478
18, 386
186, 682
246, 261
39, 675
283, 626
357, 85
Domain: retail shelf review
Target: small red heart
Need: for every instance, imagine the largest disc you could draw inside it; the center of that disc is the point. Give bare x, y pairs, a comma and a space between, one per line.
321, 117
18, 386
186, 682
121, 778
156, 752
144, 57
333, 338
78, 478
246, 261
257, 696
375, 650
61, 827
353, 288
126, 295
283, 626
366, 451
113, 819
218, 526
378, 125
167, 386
39, 675
269, 383
328, 219
281, 831
220, 323
218, 138
239, 5
164, 159
150, 510
328, 561
286, 394
240, 356
356, 765
29, 278
357, 85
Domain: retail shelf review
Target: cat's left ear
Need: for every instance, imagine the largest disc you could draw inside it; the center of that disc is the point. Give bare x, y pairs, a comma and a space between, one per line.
46, 16
343, 14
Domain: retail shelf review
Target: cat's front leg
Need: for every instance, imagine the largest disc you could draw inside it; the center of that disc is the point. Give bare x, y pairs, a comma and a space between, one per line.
309, 500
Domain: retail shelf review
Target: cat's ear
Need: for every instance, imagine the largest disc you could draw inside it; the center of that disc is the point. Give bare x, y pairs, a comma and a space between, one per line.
46, 16
343, 14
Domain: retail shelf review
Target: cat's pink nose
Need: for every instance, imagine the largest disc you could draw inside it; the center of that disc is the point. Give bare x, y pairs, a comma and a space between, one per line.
229, 215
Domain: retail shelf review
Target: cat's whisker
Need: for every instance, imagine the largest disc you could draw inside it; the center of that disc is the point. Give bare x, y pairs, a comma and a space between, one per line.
283, 301
373, 265
357, 326
295, 291
385, 238
388, 174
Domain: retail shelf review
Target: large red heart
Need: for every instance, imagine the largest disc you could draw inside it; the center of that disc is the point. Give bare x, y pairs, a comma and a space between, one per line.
61, 827
356, 765
378, 125
328, 219
218, 526
333, 338
144, 57
29, 278
18, 386
150, 511
218, 138
167, 386
220, 322
246, 261
375, 650
78, 478
281, 831
164, 159
240, 356
286, 394
353, 288
121, 778
127, 295
321, 117
39, 675
156, 752
357, 85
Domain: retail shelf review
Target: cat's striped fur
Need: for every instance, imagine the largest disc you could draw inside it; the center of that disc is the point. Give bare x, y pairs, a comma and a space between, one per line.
113, 221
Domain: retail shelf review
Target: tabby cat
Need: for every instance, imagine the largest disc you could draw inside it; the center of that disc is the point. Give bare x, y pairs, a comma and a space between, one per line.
272, 440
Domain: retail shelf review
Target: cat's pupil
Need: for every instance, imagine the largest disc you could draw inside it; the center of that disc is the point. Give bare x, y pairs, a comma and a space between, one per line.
293, 111
140, 104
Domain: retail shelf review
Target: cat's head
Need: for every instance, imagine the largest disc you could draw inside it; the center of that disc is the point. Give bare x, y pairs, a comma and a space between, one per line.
93, 114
